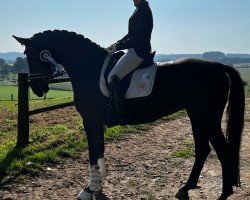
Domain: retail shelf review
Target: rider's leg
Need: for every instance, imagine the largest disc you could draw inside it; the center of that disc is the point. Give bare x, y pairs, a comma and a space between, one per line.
127, 63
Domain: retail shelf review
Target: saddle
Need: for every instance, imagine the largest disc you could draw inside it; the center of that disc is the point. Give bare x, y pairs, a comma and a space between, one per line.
126, 81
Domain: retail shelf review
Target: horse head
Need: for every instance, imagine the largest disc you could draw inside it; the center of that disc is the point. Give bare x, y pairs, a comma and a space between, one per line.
67, 48
37, 51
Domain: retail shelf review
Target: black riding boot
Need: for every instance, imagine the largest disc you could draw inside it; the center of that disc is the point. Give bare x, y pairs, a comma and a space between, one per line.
117, 99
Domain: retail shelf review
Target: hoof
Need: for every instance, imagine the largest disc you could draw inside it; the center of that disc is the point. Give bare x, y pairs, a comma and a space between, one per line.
181, 195
84, 195
225, 195
87, 194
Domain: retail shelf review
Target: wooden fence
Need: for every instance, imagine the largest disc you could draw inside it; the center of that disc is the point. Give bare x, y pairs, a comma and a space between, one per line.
23, 108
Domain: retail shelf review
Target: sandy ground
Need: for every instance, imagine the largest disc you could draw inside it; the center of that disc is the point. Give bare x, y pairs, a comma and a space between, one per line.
140, 166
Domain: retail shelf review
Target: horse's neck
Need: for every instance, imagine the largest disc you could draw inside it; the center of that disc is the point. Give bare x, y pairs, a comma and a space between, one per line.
83, 71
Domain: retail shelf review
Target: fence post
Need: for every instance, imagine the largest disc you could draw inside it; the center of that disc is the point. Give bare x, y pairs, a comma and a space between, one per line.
23, 110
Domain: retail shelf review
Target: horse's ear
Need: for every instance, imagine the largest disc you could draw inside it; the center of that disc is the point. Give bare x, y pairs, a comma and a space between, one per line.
22, 41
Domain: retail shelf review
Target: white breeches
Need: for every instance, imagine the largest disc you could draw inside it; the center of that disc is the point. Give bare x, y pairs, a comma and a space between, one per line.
127, 63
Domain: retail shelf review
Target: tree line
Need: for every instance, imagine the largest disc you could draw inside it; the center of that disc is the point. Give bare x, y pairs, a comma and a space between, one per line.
19, 65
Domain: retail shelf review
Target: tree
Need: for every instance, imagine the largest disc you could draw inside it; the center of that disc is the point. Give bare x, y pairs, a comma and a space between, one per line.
2, 62
4, 71
20, 65
213, 55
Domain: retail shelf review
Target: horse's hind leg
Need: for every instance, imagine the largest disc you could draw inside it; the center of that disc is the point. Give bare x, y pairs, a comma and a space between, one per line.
202, 150
221, 147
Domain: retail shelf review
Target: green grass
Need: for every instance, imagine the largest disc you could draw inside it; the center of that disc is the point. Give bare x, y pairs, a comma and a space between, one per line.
6, 91
186, 150
184, 153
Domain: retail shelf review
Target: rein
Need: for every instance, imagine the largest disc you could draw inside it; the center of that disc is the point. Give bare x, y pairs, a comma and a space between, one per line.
57, 69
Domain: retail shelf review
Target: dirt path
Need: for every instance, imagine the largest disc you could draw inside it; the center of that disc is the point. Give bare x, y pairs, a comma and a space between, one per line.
141, 166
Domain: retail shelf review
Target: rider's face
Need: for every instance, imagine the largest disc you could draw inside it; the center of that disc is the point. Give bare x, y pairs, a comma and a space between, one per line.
137, 2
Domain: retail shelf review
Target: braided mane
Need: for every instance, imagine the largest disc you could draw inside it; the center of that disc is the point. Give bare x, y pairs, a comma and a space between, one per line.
68, 34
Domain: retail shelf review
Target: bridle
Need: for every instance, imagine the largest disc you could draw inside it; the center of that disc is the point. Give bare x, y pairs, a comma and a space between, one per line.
57, 69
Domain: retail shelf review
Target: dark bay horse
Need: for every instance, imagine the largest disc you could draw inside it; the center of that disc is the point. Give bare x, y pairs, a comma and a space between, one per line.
200, 87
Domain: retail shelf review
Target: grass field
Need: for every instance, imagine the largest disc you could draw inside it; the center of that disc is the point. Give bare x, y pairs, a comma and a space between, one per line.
6, 91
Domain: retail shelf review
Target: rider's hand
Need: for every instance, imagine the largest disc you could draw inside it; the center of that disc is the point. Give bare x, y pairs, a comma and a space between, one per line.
112, 48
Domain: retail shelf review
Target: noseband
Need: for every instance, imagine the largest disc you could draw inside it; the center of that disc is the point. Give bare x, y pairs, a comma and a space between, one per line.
57, 69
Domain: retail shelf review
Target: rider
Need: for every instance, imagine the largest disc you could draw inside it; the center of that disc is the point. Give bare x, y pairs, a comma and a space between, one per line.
137, 41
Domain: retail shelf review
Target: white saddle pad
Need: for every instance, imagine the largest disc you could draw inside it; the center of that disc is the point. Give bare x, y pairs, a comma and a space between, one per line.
141, 84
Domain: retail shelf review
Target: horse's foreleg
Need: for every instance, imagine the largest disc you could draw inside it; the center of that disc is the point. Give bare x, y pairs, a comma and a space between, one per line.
94, 187
95, 136
202, 150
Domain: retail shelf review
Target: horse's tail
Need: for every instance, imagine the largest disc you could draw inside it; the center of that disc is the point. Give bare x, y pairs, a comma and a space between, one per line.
235, 120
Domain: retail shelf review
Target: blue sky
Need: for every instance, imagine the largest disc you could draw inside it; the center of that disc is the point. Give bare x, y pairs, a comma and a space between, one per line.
180, 26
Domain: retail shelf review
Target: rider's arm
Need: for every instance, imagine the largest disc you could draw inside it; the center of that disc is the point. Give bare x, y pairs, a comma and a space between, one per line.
123, 39
142, 28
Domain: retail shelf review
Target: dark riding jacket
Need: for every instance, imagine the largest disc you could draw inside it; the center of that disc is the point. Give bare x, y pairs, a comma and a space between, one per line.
139, 31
